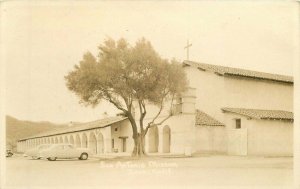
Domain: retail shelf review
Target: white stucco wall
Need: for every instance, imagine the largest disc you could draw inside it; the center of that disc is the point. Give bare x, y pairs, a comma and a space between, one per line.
182, 134
270, 138
249, 93
210, 139
264, 137
123, 130
209, 91
214, 92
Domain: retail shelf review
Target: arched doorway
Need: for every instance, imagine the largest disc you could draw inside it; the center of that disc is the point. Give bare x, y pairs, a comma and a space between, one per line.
153, 139
93, 143
77, 141
100, 144
66, 140
72, 140
84, 141
166, 139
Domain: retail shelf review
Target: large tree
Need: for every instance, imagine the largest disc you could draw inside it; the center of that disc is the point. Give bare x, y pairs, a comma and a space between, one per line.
124, 75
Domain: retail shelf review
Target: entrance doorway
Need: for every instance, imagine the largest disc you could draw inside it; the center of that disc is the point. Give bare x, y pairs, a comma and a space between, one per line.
153, 140
237, 142
93, 143
123, 143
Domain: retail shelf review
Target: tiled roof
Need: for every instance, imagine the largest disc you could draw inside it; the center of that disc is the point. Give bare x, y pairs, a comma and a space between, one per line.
80, 127
203, 119
228, 71
262, 114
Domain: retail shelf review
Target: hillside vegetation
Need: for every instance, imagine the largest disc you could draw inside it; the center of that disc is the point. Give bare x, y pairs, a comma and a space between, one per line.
17, 129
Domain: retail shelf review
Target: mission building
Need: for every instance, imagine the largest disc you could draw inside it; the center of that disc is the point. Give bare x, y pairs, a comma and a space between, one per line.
225, 110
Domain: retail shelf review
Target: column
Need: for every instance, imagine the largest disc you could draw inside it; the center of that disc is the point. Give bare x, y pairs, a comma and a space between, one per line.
297, 120
160, 140
107, 140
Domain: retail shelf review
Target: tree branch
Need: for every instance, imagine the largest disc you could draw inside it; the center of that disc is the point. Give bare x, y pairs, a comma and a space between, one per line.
152, 124
161, 107
142, 114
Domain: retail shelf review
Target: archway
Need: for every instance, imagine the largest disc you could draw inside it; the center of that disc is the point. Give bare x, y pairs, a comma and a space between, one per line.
52, 141
153, 139
84, 143
166, 139
66, 140
77, 141
93, 143
56, 140
72, 140
100, 144
61, 140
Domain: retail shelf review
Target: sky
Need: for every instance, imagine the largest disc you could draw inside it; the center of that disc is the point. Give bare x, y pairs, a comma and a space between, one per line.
44, 40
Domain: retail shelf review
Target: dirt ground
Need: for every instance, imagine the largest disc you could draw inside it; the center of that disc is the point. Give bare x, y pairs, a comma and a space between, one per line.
207, 171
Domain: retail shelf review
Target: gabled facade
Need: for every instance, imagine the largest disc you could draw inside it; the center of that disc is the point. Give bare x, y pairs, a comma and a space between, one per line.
220, 89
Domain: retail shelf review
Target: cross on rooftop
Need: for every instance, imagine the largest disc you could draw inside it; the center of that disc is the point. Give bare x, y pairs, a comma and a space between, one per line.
187, 47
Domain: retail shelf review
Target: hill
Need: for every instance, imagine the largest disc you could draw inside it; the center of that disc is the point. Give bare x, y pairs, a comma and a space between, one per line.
17, 129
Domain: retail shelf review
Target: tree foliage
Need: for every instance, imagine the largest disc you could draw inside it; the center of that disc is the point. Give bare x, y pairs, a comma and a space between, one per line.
123, 74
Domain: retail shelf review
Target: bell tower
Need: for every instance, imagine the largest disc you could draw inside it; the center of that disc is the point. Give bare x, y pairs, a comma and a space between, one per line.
185, 104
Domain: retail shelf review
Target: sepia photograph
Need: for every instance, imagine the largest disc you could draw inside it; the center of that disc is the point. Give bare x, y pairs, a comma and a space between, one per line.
150, 94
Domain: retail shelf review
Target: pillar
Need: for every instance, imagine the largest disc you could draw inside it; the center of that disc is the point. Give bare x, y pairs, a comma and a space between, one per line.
160, 139
107, 140
297, 118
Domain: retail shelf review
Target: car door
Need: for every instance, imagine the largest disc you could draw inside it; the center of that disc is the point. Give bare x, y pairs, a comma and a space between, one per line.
70, 151
58, 151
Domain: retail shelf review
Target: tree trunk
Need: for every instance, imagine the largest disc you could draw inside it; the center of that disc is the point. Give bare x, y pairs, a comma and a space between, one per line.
139, 146
139, 139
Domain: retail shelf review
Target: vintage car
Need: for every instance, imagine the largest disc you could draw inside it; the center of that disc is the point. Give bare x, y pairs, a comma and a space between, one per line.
34, 152
9, 153
64, 151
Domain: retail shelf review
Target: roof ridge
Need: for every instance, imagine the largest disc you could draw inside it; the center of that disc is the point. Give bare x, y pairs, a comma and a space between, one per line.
103, 122
237, 68
257, 109
261, 113
231, 71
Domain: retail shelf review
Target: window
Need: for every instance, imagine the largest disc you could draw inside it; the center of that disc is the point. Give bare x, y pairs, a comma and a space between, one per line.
237, 123
116, 129
59, 147
179, 100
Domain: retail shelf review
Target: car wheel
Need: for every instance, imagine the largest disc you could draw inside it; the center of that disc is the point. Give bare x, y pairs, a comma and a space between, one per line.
84, 156
51, 158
